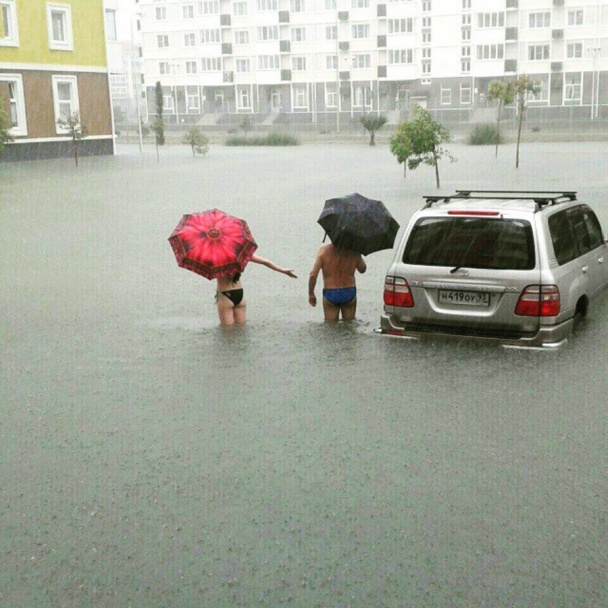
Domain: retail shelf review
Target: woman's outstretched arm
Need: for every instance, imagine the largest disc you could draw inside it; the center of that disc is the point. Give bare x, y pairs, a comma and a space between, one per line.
259, 260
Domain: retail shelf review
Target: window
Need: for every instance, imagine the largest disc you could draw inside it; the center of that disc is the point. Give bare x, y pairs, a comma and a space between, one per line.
466, 19
188, 11
331, 97
331, 62
426, 53
362, 60
298, 63
465, 51
163, 67
211, 64
465, 94
241, 37
299, 94
162, 40
360, 30
268, 62
426, 67
331, 5
426, 6
243, 65
297, 6
360, 3
190, 67
110, 21
239, 8
490, 20
268, 32
9, 33
243, 99
190, 39
298, 34
573, 84
209, 7
403, 56
65, 99
267, 5
59, 20
13, 101
446, 97
192, 101
426, 22
426, 36
574, 50
169, 104
331, 32
208, 36
490, 51
575, 17
466, 34
466, 5
542, 19
161, 13
465, 66
538, 52
400, 26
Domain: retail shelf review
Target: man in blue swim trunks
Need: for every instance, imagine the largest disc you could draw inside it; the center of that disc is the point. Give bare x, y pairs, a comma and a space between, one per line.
338, 266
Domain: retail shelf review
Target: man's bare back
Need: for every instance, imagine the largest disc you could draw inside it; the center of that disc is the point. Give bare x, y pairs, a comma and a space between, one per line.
338, 267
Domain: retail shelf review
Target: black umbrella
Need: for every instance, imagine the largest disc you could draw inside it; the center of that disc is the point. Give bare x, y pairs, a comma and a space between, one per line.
358, 223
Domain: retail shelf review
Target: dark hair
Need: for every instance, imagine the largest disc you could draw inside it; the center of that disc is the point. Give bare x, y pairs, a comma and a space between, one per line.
235, 277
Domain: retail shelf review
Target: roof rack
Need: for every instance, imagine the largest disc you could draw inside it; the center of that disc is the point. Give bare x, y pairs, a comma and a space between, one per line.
540, 197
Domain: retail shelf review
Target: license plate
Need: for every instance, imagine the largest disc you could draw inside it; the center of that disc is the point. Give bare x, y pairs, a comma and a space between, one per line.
464, 298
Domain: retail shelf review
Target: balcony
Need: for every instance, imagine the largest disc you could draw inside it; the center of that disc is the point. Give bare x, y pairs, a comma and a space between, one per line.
344, 75
381, 71
228, 77
283, 16
344, 46
226, 48
285, 75
381, 12
557, 34
511, 34
225, 20
381, 42
512, 3
558, 2
510, 65
557, 66
343, 15
285, 46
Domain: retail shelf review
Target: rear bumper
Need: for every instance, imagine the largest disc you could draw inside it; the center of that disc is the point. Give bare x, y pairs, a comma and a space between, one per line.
547, 337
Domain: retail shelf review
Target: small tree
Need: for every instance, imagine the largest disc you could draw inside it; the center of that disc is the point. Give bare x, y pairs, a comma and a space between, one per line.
502, 91
524, 88
158, 126
420, 140
75, 129
371, 124
5, 126
197, 140
246, 124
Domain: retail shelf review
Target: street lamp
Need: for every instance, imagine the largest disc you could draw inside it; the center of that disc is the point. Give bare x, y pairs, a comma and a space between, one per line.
136, 86
595, 81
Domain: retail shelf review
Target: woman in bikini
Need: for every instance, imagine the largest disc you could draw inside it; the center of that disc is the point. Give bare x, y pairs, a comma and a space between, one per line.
231, 305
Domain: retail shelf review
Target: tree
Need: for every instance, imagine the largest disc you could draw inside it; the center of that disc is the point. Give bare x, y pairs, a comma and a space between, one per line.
371, 124
246, 124
75, 129
197, 140
5, 126
502, 91
158, 126
420, 140
524, 88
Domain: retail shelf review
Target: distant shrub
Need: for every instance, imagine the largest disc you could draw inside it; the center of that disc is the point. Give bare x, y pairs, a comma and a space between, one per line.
484, 135
272, 139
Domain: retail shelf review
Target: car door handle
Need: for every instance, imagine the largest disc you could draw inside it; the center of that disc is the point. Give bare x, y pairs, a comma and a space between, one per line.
585, 268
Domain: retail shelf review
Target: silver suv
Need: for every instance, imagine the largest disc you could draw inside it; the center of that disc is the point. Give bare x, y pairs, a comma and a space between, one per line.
517, 266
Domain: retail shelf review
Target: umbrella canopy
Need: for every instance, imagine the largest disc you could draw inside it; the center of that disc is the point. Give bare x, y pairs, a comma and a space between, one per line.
212, 244
358, 223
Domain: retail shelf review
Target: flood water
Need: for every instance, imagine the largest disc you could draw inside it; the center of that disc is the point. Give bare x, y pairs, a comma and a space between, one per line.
149, 458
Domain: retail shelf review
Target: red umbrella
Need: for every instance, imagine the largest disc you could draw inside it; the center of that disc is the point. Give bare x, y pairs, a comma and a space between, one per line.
212, 243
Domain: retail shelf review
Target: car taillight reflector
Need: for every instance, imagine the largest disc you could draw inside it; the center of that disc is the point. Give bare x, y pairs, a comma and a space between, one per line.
397, 293
457, 212
539, 301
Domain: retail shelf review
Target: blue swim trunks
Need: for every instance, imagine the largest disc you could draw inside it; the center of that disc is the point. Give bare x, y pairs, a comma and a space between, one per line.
340, 296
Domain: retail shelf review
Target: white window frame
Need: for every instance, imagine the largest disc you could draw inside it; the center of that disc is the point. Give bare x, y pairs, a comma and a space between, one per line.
359, 4
539, 52
400, 56
446, 96
574, 50
162, 41
163, 67
268, 62
465, 65
490, 52
466, 94
193, 102
297, 6
188, 11
72, 81
190, 39
243, 98
242, 65
401, 26
161, 13
360, 31
331, 32
268, 32
169, 104
239, 8
10, 37
539, 19
298, 63
241, 36
331, 98
20, 129
191, 67
570, 88
331, 62
66, 15
362, 61
298, 33
490, 20
209, 7
300, 96
573, 15
110, 24
331, 5
265, 6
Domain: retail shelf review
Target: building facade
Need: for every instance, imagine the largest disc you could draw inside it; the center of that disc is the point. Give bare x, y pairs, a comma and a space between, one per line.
307, 60
53, 65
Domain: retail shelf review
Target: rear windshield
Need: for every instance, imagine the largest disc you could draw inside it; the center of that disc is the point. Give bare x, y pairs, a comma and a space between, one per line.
471, 242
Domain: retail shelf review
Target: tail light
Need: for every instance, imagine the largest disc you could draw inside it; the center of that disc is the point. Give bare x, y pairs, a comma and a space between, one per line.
539, 301
397, 292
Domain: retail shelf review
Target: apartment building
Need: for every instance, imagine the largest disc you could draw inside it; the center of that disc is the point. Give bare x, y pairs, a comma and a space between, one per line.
309, 59
52, 65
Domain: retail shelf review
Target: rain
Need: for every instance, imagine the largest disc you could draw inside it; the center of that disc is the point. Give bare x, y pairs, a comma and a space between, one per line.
150, 457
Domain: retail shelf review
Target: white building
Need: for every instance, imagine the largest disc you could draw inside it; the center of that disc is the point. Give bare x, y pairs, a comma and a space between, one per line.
290, 60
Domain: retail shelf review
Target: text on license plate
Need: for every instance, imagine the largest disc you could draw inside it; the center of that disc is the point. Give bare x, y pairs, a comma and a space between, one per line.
466, 298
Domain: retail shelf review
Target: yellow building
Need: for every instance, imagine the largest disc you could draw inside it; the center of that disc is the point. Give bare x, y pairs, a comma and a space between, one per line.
53, 65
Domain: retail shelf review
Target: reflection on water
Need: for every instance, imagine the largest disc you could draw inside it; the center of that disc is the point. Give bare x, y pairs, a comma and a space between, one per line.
153, 458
